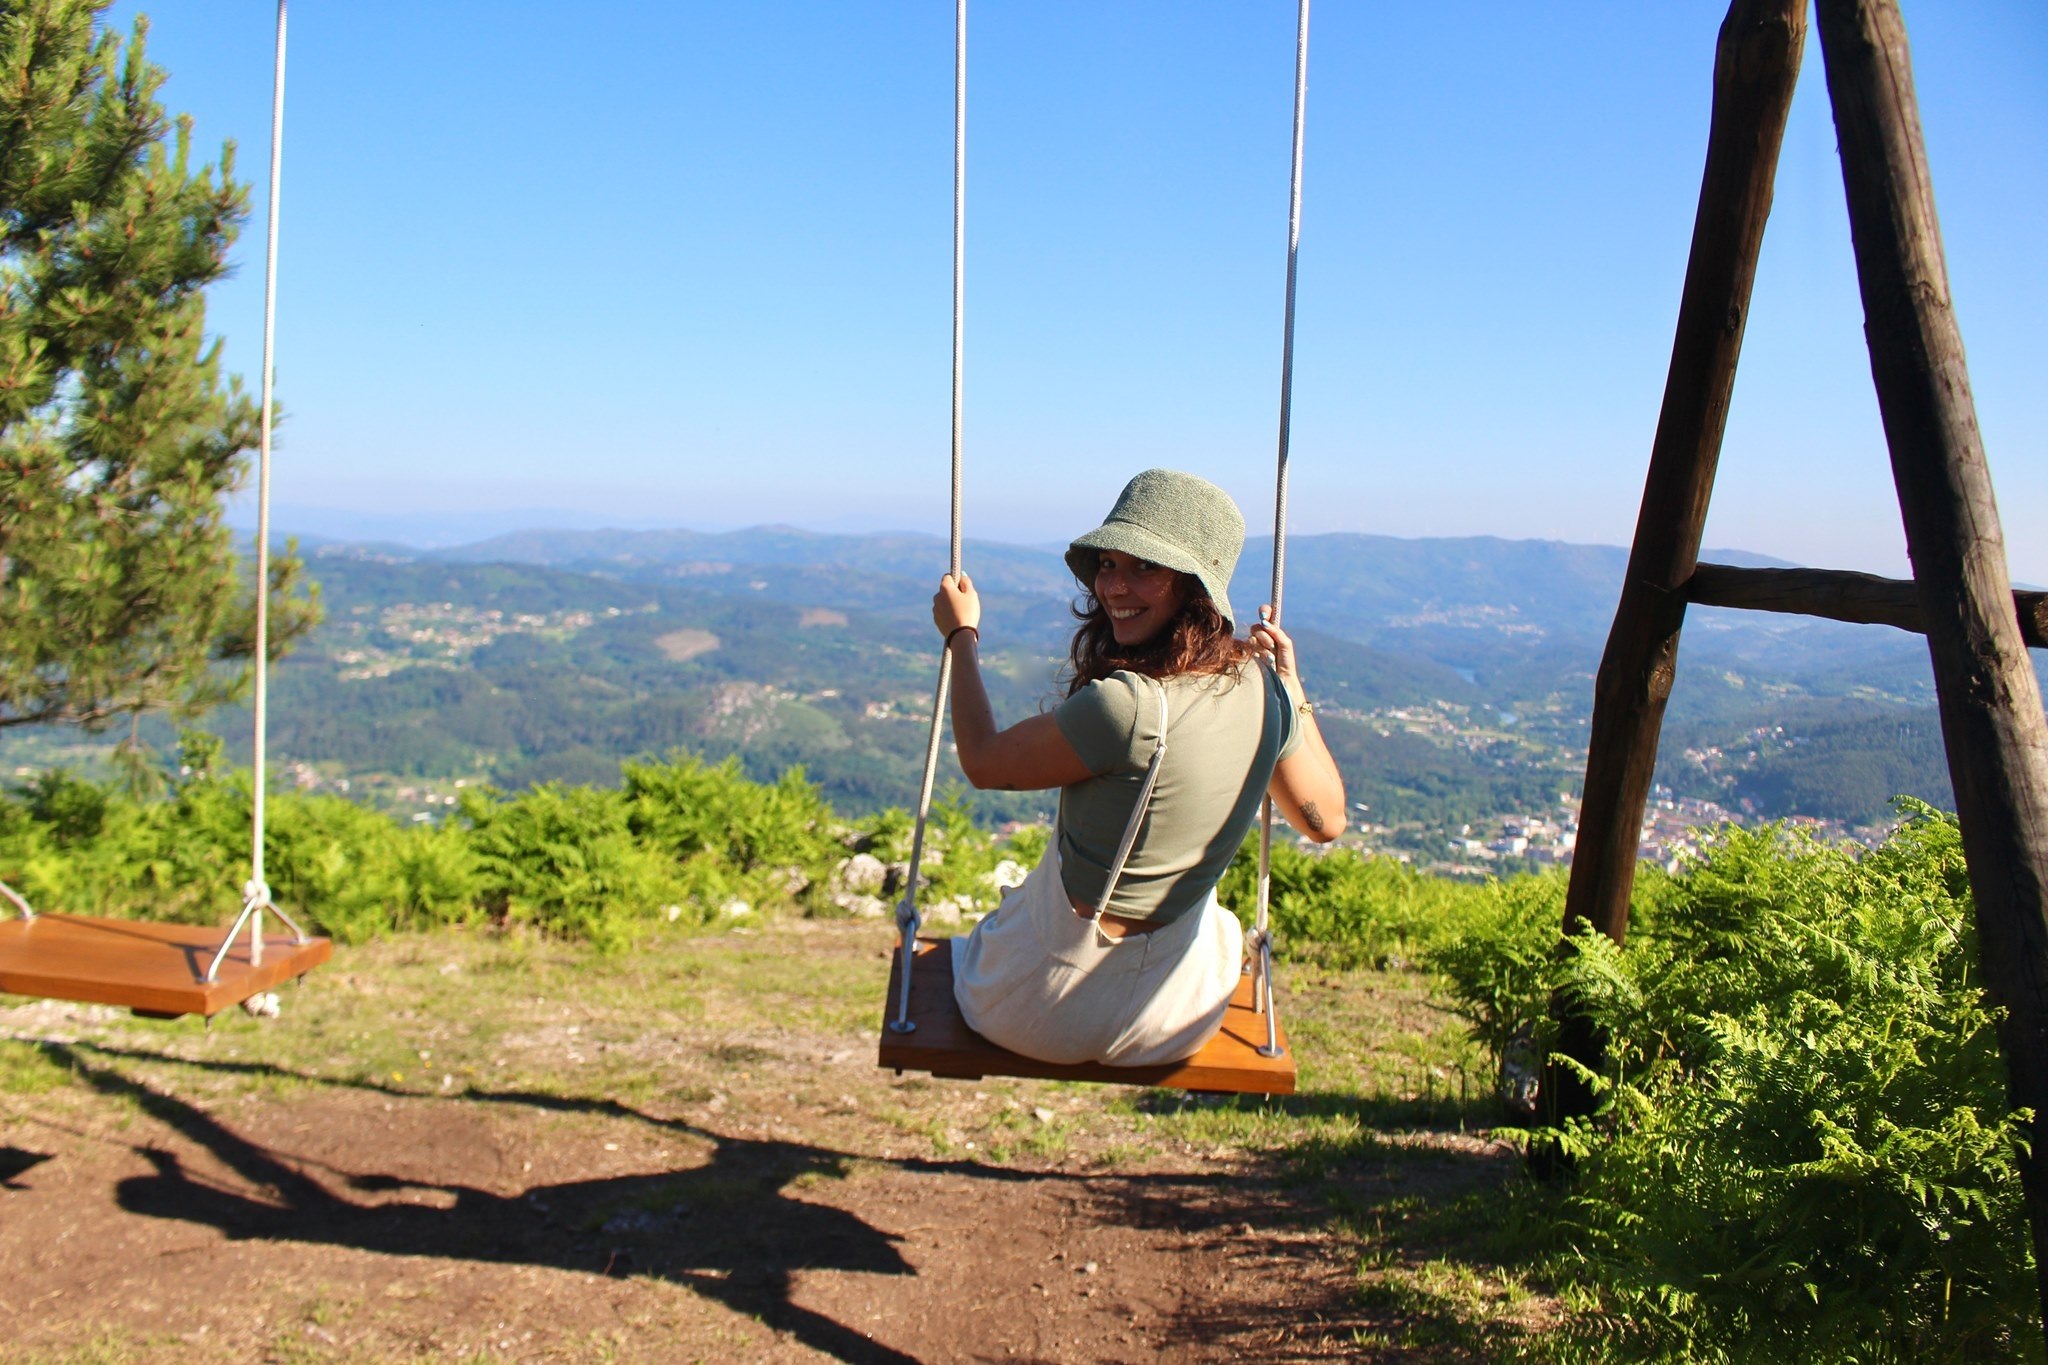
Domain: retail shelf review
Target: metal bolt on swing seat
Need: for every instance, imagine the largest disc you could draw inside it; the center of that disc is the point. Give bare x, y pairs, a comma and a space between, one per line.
28, 914
1271, 1047
907, 923
1258, 964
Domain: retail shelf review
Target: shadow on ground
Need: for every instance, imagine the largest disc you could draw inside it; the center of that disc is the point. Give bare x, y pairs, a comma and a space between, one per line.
728, 1228
732, 1229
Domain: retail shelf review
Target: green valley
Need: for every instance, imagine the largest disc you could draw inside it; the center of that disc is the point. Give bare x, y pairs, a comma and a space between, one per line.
1454, 678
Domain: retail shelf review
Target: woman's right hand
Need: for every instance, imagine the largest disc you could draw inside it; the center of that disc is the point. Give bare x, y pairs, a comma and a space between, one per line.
1031, 755
956, 604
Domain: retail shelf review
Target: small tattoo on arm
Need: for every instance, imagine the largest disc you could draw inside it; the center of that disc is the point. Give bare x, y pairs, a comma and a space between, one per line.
1313, 816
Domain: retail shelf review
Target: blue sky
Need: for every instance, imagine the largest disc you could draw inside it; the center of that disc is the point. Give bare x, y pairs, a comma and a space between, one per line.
690, 264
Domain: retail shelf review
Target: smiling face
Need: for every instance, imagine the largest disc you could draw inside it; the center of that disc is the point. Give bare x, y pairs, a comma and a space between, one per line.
1141, 597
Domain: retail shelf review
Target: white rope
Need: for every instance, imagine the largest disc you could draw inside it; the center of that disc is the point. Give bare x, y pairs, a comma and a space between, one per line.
263, 456
959, 251
256, 891
1287, 325
28, 912
906, 910
1262, 934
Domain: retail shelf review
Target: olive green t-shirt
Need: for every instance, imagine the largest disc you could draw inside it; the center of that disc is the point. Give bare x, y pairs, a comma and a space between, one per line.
1224, 734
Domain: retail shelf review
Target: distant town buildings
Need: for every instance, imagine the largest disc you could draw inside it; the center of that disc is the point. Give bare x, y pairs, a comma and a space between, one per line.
377, 642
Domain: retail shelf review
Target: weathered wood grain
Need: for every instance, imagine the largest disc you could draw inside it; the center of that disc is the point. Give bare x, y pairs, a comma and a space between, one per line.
1839, 595
142, 965
1990, 703
1756, 66
943, 1045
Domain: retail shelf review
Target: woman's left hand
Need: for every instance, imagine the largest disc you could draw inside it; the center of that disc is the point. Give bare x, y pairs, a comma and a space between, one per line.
1275, 645
1306, 786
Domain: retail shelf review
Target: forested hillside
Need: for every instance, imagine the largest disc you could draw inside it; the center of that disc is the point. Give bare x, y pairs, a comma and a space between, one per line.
1454, 676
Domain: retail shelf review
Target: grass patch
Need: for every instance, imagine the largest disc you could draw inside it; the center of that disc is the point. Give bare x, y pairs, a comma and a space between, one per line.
106, 1346
1435, 1220
27, 1069
730, 1038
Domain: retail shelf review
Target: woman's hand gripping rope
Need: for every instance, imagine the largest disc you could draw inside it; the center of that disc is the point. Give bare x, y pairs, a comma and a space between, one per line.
1276, 647
1031, 755
1307, 789
956, 606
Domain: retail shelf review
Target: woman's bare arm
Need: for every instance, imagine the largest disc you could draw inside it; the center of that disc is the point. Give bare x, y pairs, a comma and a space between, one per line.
1306, 785
1031, 755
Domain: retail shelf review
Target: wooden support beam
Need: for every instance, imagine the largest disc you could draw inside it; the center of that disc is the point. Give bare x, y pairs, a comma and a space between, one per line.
1990, 703
1859, 598
1756, 64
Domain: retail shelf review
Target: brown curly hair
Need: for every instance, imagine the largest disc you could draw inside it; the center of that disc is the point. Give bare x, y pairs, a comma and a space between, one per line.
1198, 640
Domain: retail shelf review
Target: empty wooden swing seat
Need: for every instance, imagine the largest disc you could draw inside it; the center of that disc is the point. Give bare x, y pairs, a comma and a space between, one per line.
151, 968
162, 969
943, 1045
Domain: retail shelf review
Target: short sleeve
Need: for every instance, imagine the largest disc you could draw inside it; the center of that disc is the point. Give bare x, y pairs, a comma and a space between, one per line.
1101, 722
1291, 702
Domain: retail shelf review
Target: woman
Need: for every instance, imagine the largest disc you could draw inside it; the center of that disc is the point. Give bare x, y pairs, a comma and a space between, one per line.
1115, 948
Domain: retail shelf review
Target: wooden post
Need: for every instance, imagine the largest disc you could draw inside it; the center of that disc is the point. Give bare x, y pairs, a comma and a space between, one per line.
1756, 64
1991, 718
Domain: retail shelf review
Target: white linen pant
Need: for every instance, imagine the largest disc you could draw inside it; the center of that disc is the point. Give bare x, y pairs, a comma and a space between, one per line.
1038, 979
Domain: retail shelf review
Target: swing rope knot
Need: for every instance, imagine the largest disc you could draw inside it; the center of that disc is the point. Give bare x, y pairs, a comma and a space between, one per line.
255, 892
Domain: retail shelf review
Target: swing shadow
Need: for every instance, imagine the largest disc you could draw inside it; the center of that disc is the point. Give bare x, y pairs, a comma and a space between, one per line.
727, 1229
16, 1161
730, 1230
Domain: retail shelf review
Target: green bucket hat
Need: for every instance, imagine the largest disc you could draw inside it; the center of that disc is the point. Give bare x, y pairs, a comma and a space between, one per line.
1173, 519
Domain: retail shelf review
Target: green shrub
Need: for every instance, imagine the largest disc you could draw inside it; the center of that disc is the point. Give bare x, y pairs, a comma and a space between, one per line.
959, 856
1805, 1151
74, 845
196, 856
69, 808
335, 863
731, 839
1499, 966
1028, 845
686, 807
1340, 908
563, 859
442, 877
683, 841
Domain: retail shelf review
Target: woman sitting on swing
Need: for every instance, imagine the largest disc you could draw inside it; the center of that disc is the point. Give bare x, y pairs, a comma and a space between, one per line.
1115, 949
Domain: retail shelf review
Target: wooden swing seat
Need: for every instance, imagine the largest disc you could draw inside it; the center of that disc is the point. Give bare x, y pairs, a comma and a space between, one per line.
943, 1045
151, 968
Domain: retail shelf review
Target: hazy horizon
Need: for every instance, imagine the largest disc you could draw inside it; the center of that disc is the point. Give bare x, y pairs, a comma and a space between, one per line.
692, 265
430, 531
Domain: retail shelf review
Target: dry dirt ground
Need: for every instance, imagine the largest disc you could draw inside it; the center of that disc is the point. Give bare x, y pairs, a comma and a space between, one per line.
709, 1176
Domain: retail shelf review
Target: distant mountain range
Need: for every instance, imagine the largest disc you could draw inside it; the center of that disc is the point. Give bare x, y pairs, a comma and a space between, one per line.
1456, 674
1514, 618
